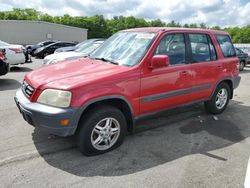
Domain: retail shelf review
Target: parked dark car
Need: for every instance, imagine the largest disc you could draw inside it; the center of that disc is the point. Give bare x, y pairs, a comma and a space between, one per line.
46, 50
243, 57
79, 45
31, 48
4, 65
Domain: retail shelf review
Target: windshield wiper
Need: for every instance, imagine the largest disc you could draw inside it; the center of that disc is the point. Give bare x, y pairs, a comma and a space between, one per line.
106, 60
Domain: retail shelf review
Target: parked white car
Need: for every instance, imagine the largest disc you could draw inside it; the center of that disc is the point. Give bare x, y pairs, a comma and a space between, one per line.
14, 53
80, 52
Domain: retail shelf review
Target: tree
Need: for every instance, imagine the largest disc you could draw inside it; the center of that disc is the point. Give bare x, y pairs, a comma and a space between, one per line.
98, 26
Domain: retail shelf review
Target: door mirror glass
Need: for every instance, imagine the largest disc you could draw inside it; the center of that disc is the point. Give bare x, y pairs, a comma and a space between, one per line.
159, 61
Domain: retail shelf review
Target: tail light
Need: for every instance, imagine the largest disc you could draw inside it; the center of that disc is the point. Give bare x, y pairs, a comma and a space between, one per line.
17, 50
2, 54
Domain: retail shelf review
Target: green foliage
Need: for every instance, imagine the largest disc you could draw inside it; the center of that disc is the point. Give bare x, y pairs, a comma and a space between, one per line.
100, 27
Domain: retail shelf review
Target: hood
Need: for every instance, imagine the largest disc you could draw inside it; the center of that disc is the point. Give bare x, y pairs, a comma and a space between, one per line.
68, 74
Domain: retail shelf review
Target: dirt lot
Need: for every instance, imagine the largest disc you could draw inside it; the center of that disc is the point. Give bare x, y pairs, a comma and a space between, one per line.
180, 148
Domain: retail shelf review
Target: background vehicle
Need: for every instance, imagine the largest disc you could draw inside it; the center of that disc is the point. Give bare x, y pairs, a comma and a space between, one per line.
243, 57
73, 48
31, 48
49, 49
14, 53
4, 65
82, 51
133, 74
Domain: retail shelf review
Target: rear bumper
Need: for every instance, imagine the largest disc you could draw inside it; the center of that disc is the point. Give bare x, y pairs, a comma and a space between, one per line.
236, 81
46, 117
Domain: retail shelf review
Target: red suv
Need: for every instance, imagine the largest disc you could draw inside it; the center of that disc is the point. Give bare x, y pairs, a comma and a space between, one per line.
135, 73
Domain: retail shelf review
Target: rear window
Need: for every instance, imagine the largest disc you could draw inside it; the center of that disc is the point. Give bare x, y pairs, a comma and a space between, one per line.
226, 45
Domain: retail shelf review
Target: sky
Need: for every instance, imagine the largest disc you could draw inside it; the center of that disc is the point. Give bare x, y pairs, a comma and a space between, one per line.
222, 13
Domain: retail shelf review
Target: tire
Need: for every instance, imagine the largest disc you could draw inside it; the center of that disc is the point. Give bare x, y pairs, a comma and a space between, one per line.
217, 108
92, 129
242, 65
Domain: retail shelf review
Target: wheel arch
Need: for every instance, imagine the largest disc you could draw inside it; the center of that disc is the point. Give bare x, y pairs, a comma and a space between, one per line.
228, 81
119, 102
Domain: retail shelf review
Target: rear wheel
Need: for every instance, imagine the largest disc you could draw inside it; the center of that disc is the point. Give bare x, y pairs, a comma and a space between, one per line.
218, 103
101, 130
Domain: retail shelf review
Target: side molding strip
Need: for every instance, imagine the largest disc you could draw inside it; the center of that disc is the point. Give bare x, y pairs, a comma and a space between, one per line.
157, 97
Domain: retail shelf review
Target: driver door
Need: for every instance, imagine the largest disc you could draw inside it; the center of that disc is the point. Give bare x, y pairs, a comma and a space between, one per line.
169, 86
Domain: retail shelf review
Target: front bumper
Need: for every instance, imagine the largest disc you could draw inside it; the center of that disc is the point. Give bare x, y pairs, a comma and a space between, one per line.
46, 117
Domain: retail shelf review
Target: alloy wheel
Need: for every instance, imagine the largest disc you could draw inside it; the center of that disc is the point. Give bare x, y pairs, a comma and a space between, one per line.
105, 133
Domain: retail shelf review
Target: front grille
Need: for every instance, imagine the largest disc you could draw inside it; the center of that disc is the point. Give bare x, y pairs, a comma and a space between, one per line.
27, 89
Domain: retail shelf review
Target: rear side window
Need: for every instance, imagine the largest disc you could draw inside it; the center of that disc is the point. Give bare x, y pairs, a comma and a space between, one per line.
173, 45
226, 45
202, 48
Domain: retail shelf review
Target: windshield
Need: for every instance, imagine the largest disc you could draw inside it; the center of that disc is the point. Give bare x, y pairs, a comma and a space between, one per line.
88, 48
125, 48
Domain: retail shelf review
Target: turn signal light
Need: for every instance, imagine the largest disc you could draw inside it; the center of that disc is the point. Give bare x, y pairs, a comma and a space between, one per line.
64, 122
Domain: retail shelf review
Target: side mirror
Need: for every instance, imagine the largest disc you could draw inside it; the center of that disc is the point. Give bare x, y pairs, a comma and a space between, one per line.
159, 61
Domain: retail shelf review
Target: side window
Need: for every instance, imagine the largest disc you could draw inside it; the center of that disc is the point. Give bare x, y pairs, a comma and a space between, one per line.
69, 44
213, 54
54, 46
61, 45
173, 45
200, 47
226, 45
57, 45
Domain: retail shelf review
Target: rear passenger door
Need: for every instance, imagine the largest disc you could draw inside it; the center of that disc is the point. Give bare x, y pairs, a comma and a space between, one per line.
204, 65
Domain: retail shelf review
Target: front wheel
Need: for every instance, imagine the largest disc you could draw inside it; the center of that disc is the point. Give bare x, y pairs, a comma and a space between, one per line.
219, 101
101, 130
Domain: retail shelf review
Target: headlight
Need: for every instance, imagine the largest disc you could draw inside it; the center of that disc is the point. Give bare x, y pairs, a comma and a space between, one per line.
57, 98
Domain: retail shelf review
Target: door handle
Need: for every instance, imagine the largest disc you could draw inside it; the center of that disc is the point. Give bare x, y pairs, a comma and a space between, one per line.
219, 66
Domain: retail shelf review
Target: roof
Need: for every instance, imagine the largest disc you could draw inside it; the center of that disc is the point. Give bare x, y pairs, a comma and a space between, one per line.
158, 29
41, 22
